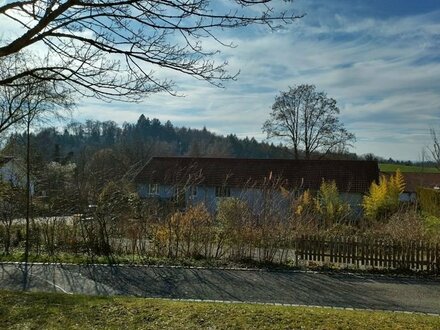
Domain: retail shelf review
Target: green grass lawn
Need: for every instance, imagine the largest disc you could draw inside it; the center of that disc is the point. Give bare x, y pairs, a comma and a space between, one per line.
57, 311
407, 168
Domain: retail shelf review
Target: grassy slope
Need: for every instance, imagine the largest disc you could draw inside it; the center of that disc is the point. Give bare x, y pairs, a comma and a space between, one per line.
407, 169
54, 311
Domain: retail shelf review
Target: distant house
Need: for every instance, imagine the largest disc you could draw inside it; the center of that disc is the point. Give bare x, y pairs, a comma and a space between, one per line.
413, 181
13, 172
193, 180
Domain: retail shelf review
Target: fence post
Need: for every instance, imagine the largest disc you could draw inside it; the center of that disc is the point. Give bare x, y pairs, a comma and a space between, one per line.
380, 257
437, 257
362, 242
321, 250
428, 257
297, 249
418, 255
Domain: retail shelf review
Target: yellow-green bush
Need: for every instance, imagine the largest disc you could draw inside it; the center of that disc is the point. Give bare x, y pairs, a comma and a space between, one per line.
432, 227
383, 198
329, 205
303, 205
429, 201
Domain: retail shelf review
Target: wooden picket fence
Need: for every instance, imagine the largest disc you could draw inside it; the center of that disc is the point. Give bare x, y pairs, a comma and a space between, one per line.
369, 253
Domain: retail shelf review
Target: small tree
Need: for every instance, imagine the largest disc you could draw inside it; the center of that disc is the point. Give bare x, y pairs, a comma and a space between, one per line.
383, 198
308, 120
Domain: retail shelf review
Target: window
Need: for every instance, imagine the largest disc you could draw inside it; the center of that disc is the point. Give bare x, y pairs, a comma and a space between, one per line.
153, 189
222, 192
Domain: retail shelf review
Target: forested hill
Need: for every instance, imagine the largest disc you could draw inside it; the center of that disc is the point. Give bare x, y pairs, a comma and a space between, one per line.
81, 159
134, 143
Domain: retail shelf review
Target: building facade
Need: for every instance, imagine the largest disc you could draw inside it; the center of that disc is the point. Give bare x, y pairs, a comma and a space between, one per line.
191, 180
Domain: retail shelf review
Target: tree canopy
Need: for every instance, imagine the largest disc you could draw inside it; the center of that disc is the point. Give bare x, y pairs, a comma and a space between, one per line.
308, 120
112, 49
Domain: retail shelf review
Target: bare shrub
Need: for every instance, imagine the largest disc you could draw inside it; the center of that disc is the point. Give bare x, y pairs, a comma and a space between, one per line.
188, 233
160, 239
103, 229
405, 224
11, 206
273, 231
197, 231
234, 226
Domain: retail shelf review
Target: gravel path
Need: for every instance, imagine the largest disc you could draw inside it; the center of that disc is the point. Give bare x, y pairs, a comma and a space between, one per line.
290, 287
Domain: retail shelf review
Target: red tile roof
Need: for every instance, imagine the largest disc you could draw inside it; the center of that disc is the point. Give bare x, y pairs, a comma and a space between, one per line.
350, 176
416, 180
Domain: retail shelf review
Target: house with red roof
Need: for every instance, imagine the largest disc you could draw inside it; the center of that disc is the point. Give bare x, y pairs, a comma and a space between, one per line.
415, 180
199, 179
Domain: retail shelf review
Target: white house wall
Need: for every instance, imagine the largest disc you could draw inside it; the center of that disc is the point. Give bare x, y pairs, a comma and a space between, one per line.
255, 198
164, 191
9, 173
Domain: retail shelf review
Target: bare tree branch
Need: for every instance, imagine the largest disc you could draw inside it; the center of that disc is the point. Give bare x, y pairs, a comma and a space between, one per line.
29, 98
434, 149
109, 49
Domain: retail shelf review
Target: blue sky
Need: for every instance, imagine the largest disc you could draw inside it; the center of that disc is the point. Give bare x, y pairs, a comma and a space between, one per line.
380, 59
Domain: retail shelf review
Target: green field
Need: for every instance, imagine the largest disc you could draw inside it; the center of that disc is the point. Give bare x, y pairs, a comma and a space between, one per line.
58, 311
407, 168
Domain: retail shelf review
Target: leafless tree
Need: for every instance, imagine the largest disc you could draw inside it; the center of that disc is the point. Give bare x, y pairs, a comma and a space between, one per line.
33, 99
110, 49
308, 120
434, 149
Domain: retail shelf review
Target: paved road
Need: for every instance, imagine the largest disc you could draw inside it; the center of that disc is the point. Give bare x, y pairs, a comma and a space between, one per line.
308, 288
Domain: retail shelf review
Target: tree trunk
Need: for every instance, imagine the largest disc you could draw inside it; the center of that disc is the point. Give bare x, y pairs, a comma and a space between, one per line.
28, 204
